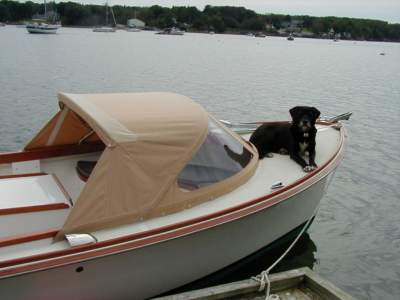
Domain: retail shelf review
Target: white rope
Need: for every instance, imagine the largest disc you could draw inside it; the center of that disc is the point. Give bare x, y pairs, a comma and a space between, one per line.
263, 277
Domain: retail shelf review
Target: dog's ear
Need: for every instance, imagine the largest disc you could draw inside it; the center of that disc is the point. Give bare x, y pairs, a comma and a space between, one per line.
295, 112
315, 112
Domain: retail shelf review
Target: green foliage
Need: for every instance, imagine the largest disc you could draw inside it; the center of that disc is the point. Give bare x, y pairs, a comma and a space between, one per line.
254, 24
4, 13
216, 18
217, 23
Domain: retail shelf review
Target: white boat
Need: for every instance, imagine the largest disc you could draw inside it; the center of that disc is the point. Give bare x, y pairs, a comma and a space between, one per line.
290, 37
171, 31
104, 29
126, 196
107, 28
42, 26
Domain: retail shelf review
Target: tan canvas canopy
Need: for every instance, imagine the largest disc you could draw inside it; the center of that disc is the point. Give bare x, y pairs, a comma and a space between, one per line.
149, 139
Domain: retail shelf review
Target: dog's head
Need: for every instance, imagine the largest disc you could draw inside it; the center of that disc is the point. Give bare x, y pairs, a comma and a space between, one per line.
304, 117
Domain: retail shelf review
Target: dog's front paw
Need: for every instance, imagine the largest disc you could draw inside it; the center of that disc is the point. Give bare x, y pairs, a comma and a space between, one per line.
309, 168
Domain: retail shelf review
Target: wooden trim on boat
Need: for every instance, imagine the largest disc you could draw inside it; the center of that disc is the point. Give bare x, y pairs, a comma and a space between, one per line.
24, 238
318, 122
48, 152
141, 239
33, 208
22, 175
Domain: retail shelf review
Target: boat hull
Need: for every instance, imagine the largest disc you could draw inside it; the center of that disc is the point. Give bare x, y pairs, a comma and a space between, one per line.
42, 30
104, 29
164, 265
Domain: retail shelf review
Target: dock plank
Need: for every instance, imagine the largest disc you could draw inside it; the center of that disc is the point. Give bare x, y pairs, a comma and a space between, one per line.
298, 284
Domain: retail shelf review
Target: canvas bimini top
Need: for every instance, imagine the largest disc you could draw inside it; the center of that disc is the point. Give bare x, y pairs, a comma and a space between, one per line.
163, 153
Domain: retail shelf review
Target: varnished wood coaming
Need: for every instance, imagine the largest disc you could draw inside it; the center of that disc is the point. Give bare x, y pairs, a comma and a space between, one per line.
25, 238
33, 208
137, 240
21, 175
49, 152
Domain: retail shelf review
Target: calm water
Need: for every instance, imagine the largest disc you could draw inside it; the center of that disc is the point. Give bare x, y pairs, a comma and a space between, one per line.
355, 240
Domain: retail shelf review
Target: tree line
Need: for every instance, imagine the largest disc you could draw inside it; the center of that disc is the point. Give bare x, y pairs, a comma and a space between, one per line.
212, 18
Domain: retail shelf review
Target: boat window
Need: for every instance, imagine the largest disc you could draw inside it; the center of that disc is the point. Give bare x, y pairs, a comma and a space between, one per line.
219, 157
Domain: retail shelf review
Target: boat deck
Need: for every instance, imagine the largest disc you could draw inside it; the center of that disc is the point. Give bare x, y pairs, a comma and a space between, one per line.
280, 168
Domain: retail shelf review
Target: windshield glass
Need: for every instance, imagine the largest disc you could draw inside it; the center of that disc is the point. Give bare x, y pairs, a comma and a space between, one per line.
219, 157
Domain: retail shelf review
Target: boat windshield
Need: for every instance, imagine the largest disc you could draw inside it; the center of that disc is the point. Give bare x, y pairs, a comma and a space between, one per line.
219, 157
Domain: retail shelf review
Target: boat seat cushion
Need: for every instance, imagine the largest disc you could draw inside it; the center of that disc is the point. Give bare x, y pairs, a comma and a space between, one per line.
85, 168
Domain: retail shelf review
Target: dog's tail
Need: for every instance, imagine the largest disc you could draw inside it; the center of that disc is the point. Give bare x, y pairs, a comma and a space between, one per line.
243, 159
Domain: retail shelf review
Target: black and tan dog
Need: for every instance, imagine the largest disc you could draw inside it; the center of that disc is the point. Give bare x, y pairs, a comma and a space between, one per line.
296, 138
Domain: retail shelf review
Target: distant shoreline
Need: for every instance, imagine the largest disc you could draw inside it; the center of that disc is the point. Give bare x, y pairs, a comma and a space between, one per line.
234, 33
219, 19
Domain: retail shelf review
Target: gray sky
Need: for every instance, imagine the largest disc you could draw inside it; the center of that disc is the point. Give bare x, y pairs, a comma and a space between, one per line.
388, 10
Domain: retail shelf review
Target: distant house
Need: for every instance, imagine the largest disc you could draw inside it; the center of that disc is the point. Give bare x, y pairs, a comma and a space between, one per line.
269, 26
347, 35
136, 23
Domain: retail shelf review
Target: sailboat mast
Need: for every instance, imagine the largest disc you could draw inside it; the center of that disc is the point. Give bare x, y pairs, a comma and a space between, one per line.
113, 16
45, 9
106, 13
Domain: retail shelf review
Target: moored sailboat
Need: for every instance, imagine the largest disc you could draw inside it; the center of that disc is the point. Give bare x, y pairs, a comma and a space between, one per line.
45, 25
107, 28
171, 31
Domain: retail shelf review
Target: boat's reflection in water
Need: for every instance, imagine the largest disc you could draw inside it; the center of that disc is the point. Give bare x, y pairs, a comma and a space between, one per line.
301, 255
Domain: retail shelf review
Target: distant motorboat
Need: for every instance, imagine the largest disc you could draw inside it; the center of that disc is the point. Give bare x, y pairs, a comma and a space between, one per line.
171, 31
290, 37
250, 34
382, 53
260, 34
43, 28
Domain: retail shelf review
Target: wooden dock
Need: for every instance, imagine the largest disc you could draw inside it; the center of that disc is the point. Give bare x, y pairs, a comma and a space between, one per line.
297, 284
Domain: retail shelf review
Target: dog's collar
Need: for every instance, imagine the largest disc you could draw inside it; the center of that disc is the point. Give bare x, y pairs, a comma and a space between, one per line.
306, 134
